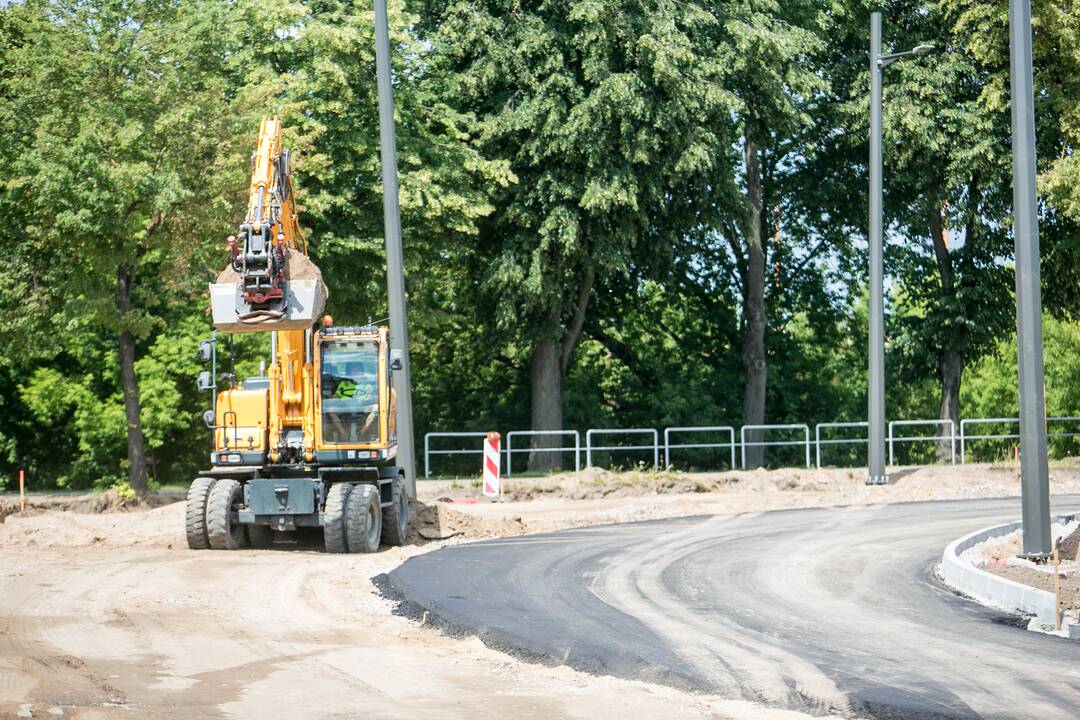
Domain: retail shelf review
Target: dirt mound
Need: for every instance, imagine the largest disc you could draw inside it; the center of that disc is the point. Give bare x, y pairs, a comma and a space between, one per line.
157, 527
439, 521
298, 266
1070, 546
106, 502
594, 483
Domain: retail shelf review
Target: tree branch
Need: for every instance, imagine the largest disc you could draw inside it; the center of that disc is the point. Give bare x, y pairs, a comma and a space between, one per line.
574, 331
616, 347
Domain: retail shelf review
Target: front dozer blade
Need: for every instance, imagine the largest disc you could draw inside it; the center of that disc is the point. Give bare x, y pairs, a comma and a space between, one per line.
302, 304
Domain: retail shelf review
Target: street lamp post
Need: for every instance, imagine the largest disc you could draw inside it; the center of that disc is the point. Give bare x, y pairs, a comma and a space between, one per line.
876, 473
395, 268
1034, 473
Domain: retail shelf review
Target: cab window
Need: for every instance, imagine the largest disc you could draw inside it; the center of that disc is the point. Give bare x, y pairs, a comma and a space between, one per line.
350, 391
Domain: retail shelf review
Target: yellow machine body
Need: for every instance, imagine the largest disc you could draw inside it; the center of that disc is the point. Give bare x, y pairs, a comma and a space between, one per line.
328, 397
312, 441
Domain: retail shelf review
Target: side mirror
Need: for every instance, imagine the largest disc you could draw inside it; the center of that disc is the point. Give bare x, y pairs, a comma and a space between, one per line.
205, 382
209, 419
206, 350
397, 359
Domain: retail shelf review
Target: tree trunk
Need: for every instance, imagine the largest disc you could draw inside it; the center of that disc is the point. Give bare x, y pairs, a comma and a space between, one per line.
951, 357
754, 308
547, 405
548, 365
952, 369
136, 448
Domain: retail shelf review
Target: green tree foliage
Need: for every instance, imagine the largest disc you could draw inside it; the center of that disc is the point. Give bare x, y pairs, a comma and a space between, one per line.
127, 166
116, 172
597, 108
991, 390
615, 213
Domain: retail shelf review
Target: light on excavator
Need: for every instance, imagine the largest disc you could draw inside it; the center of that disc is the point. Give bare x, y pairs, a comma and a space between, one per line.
327, 321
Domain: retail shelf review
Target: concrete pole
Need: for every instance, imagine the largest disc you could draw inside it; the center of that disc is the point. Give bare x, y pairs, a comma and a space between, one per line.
1034, 474
876, 388
395, 270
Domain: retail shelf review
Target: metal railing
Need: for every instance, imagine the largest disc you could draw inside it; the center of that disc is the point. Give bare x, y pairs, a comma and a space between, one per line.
774, 443
818, 442
711, 428
428, 452
655, 447
965, 438
951, 437
576, 449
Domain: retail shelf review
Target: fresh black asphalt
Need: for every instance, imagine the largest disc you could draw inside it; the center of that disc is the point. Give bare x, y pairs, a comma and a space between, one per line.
826, 611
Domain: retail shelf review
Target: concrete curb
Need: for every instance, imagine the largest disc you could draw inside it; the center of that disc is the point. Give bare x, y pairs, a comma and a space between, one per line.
994, 590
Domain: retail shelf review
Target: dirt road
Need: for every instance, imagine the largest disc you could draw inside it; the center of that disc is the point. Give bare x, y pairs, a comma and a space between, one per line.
109, 615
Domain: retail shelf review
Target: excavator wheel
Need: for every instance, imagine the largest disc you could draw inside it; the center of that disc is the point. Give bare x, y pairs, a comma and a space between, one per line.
395, 519
363, 519
334, 518
260, 536
195, 516
225, 534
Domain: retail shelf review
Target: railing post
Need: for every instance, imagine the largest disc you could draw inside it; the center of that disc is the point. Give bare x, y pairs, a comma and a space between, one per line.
817, 445
427, 456
742, 446
952, 430
963, 458
891, 443
509, 454
806, 430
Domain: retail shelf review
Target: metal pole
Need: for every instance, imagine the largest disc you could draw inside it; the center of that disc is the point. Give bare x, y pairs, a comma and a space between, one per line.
876, 389
1034, 474
395, 271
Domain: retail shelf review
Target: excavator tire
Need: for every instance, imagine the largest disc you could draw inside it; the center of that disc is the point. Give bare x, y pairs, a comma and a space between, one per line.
260, 536
363, 519
224, 534
334, 517
195, 514
395, 519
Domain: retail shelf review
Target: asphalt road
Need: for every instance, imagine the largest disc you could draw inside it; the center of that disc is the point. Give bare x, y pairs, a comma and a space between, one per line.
825, 611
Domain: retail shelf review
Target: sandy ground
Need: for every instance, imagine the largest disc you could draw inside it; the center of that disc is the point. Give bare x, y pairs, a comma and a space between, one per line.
109, 615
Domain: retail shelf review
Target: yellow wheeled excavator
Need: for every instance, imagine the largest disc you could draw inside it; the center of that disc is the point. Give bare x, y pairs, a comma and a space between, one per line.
312, 442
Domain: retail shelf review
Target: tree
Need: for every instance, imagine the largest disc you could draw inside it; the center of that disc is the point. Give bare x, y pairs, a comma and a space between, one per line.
769, 50
948, 124
597, 107
124, 160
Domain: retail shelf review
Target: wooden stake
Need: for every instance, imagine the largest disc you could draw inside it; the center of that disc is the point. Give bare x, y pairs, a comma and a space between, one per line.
22, 492
1057, 586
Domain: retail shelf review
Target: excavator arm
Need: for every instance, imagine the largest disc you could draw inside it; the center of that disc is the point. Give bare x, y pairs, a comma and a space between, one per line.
270, 225
270, 283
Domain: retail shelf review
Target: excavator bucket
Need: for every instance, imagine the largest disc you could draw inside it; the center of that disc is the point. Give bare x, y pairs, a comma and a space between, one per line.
301, 304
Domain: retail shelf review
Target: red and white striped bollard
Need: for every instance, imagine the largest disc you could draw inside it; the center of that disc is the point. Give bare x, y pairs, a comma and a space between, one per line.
492, 484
